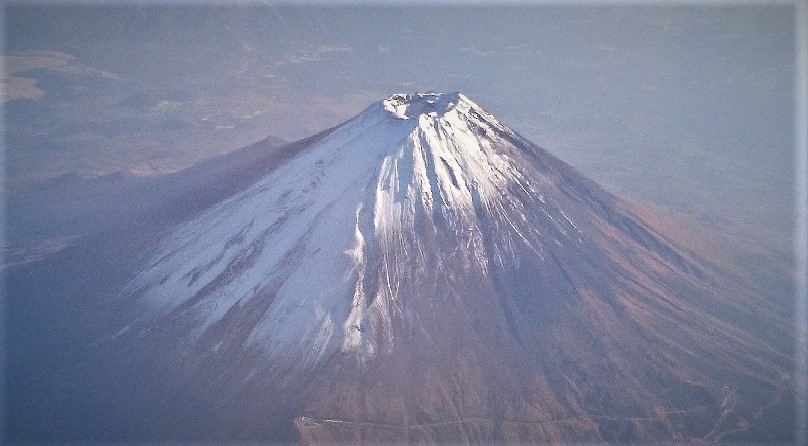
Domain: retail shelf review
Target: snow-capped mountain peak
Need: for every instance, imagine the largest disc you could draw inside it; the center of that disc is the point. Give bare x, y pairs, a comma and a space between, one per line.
370, 194
330, 252
424, 260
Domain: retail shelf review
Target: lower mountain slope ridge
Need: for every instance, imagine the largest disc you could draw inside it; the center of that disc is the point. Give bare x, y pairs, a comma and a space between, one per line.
422, 273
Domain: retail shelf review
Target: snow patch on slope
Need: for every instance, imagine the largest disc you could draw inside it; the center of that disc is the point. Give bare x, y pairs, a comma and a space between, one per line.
352, 338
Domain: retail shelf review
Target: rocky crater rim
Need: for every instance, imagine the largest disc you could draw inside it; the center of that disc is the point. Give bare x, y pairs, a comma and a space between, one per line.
413, 105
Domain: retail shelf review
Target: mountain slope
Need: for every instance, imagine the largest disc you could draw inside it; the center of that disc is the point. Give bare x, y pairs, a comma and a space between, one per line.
69, 206
422, 272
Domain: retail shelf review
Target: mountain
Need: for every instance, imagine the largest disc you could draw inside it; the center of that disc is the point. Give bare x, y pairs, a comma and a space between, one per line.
420, 273
424, 273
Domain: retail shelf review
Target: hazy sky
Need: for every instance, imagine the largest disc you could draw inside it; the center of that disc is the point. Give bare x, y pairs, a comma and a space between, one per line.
687, 106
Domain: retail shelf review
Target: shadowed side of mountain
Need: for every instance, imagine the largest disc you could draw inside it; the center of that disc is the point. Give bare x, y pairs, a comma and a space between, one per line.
69, 206
59, 303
